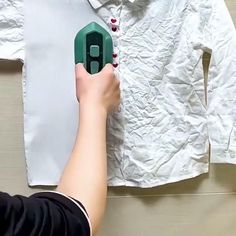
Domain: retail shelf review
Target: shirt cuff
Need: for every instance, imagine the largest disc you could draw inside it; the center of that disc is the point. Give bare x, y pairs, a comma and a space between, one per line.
222, 154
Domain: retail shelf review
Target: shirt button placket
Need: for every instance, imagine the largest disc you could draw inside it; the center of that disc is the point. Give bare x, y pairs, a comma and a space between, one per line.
114, 26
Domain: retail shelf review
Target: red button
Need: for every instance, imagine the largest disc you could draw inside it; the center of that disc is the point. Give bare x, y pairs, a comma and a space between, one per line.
114, 55
113, 20
115, 65
114, 29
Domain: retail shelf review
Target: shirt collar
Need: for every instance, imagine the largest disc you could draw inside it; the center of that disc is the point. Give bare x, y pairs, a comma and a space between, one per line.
98, 3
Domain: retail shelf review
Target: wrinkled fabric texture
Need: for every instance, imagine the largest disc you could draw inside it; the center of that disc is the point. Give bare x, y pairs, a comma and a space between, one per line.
11, 29
98, 3
162, 131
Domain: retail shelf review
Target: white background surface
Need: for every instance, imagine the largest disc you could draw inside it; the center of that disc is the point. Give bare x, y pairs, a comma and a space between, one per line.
204, 206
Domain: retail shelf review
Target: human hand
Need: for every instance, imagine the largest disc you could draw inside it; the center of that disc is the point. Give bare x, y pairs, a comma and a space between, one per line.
100, 90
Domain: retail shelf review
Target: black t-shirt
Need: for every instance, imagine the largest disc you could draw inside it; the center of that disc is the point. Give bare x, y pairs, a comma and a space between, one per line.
42, 214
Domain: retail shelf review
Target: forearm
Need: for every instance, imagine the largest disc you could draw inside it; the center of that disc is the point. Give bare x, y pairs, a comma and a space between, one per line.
85, 176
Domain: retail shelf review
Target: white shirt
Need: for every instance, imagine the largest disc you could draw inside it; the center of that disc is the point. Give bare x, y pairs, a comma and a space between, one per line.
11, 30
98, 3
162, 132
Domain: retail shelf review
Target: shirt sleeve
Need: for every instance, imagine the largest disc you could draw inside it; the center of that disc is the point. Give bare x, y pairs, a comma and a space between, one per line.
11, 30
221, 108
41, 214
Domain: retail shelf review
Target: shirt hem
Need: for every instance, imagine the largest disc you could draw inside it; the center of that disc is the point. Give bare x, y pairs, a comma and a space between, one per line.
13, 57
158, 183
117, 183
223, 155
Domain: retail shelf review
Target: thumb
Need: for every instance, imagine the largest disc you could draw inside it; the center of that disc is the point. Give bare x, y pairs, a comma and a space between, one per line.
108, 68
80, 71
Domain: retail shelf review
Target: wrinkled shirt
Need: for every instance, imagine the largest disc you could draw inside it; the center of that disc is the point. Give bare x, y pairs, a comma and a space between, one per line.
11, 29
162, 131
164, 127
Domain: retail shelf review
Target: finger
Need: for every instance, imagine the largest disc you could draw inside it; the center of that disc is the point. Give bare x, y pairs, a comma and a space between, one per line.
118, 97
80, 71
116, 107
108, 68
116, 85
117, 82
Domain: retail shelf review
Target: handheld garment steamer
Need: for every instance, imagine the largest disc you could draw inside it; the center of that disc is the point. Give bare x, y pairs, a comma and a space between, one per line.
93, 47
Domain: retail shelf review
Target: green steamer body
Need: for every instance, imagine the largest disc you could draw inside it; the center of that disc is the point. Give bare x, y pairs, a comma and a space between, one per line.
93, 47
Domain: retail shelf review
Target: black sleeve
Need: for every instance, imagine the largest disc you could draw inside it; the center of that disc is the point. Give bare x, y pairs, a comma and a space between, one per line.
42, 214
